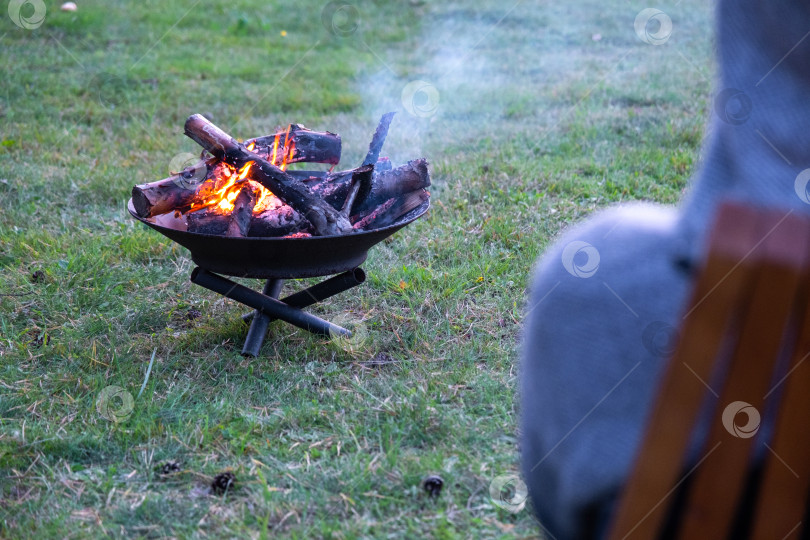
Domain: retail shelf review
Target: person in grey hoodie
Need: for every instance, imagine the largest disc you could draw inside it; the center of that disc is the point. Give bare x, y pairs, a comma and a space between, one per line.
606, 299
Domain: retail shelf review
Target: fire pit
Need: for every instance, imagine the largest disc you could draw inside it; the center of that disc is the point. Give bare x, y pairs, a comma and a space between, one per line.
240, 213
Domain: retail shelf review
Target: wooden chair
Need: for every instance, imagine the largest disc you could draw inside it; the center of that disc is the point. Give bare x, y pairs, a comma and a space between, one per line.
744, 339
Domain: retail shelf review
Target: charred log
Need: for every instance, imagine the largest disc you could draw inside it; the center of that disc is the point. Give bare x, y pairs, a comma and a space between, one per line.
278, 222
383, 164
208, 221
325, 219
212, 220
176, 191
301, 144
334, 188
298, 144
377, 141
242, 212
407, 178
390, 211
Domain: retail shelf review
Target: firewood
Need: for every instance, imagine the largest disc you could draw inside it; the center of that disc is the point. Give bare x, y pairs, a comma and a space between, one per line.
390, 211
407, 178
316, 203
325, 219
278, 222
213, 220
183, 187
385, 184
306, 146
208, 221
377, 141
174, 192
361, 184
383, 164
332, 187
242, 212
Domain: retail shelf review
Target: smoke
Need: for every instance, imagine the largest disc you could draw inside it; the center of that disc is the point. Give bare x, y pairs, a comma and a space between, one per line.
485, 71
448, 89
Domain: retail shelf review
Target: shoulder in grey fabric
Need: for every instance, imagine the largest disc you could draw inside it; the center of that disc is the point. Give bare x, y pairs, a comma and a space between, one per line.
594, 344
607, 296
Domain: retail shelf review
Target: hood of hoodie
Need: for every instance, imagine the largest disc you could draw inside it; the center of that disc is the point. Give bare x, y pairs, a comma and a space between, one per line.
758, 144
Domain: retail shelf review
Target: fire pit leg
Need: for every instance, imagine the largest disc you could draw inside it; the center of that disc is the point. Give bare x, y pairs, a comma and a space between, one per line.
320, 291
258, 328
265, 304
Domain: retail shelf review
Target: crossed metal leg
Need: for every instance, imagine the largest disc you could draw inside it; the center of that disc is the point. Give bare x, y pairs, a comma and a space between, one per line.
268, 307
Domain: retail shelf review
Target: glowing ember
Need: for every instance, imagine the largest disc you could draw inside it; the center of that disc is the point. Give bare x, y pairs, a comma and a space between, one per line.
221, 195
226, 182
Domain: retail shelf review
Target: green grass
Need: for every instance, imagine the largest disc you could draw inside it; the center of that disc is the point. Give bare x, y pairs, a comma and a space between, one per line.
538, 125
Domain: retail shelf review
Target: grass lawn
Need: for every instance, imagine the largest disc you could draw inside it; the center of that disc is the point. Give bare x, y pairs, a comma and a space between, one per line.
537, 115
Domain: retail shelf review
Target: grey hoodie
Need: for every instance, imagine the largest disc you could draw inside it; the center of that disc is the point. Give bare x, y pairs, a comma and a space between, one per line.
606, 299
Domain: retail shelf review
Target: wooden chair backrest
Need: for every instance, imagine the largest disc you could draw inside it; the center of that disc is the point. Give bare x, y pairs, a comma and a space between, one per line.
744, 339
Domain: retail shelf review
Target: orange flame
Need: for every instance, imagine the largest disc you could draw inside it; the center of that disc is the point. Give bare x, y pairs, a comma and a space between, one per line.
222, 199
288, 157
243, 172
229, 192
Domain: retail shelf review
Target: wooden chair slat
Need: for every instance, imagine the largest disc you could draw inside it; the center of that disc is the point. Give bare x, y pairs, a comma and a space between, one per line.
721, 286
783, 494
720, 480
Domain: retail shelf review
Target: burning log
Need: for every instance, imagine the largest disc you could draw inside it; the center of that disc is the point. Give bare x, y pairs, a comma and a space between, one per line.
377, 141
391, 210
235, 222
242, 212
278, 222
324, 218
170, 193
208, 221
412, 176
296, 144
303, 144
244, 190
377, 210
385, 184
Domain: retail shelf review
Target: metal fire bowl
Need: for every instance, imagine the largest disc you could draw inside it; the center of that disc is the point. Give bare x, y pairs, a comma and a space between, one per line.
286, 258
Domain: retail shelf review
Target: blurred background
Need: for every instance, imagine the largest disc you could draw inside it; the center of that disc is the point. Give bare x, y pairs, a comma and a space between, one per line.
531, 114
